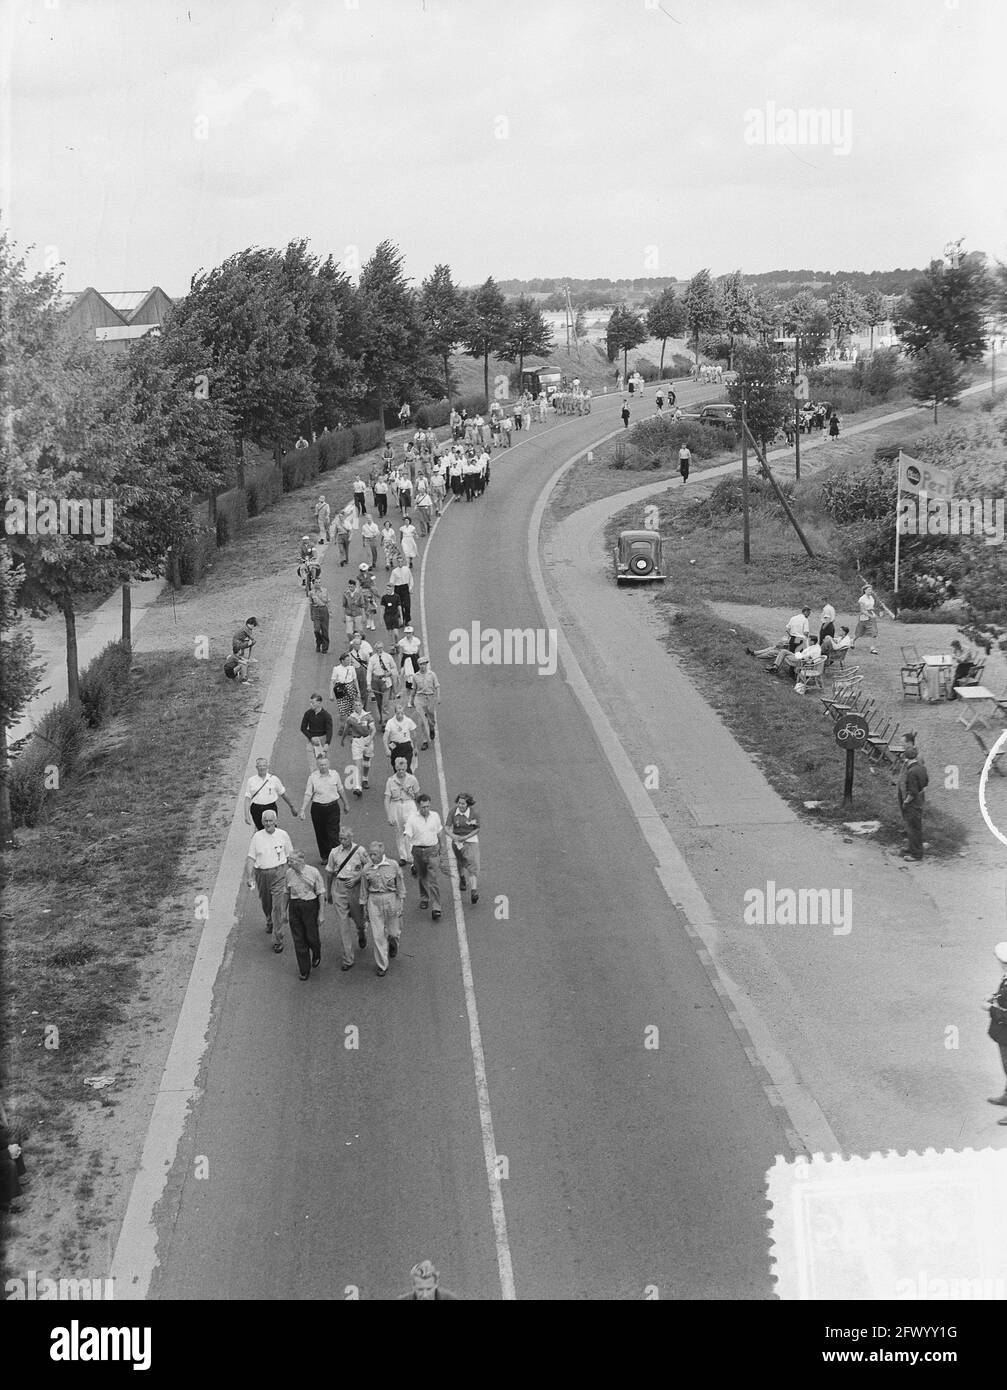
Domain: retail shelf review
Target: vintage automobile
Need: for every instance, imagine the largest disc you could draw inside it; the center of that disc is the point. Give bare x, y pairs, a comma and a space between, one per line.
638, 558
722, 414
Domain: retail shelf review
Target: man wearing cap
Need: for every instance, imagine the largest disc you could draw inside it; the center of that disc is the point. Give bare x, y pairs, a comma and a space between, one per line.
261, 794
343, 872
305, 896
912, 780
423, 833
426, 1285
269, 851
382, 893
426, 698
324, 794
408, 648
997, 1006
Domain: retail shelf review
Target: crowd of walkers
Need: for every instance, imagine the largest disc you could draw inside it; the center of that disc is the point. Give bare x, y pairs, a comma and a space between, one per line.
385, 699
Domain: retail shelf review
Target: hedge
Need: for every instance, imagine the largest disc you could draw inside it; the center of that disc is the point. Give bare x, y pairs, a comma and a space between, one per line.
232, 515
61, 734
196, 555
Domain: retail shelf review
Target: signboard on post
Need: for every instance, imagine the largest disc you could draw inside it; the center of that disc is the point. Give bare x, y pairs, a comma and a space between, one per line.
801, 388
915, 476
851, 732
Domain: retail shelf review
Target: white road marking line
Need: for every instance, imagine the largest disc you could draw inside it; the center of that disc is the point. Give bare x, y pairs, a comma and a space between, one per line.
135, 1257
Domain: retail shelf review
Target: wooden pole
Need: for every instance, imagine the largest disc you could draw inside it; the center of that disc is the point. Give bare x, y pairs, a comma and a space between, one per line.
782, 500
127, 616
848, 782
746, 545
797, 413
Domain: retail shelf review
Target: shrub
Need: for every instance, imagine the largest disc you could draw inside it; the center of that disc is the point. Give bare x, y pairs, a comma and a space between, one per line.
58, 740
232, 515
433, 415
661, 435
878, 374
474, 403
366, 436
677, 366
104, 684
865, 495
196, 555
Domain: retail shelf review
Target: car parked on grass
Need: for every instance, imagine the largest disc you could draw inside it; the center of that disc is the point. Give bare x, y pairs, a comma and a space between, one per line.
723, 414
638, 558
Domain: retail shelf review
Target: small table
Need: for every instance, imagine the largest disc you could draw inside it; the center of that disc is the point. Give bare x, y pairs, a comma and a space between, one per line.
937, 674
976, 694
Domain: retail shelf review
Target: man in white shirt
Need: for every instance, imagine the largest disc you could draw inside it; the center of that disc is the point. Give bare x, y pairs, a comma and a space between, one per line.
269, 852
806, 656
867, 618
324, 794
798, 630
401, 580
827, 622
382, 674
343, 872
424, 511
398, 737
424, 836
261, 794
426, 698
305, 896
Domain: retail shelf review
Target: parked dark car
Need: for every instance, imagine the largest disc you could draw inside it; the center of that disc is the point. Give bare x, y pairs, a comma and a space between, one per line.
638, 558
722, 415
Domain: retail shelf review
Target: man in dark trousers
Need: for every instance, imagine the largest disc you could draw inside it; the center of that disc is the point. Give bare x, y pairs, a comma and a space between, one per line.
316, 726
625, 414
912, 780
305, 896
318, 609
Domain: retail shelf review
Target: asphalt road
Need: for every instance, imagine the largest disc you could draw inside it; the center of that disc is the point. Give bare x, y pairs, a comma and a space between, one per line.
625, 1168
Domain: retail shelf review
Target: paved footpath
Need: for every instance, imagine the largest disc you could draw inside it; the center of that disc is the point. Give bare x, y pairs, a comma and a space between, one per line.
881, 1027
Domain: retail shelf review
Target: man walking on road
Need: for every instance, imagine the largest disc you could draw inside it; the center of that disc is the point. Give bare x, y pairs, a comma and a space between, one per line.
684, 462
360, 728
382, 893
261, 794
316, 726
401, 580
912, 780
399, 737
426, 698
426, 1285
381, 677
269, 851
370, 533
401, 791
424, 837
341, 534
343, 872
318, 611
324, 794
305, 896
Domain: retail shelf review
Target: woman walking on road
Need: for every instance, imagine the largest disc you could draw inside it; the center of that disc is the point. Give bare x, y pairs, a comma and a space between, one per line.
465, 843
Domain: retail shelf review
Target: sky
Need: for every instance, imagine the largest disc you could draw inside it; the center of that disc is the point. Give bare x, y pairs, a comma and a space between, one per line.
142, 140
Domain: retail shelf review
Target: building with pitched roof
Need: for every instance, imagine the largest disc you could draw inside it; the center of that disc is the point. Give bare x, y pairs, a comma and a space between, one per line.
117, 317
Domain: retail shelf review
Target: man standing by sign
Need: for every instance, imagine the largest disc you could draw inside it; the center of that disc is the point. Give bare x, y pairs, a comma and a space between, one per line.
912, 780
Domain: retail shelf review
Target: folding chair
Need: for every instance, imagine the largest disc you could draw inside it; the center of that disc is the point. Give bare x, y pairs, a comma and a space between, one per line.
880, 742
913, 683
910, 656
974, 675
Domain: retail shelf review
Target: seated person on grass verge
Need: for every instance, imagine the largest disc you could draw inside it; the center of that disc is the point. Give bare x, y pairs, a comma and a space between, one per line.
791, 662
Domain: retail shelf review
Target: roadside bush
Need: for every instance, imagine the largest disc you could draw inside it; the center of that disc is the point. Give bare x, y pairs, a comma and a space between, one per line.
661, 435
474, 403
368, 435
340, 447
678, 366
861, 495
726, 496
299, 467
878, 374
433, 415
104, 684
232, 515
57, 741
196, 555
647, 369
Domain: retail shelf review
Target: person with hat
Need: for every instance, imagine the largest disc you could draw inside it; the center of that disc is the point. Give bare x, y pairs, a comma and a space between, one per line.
997, 1005
913, 778
323, 515
343, 872
309, 571
426, 698
305, 897
408, 648
382, 893
426, 1285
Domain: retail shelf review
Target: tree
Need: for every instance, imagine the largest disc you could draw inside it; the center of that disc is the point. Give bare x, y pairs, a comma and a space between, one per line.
738, 312
326, 299
702, 310
936, 374
665, 319
527, 335
948, 304
19, 679
625, 330
845, 309
487, 321
396, 357
807, 318
442, 305
763, 383
874, 311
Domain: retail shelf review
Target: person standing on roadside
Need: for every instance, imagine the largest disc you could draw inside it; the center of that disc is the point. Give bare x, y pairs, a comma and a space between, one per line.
426, 698
684, 462
305, 899
316, 726
343, 872
324, 794
382, 893
997, 1030
465, 843
401, 791
262, 793
912, 780
423, 833
401, 580
266, 871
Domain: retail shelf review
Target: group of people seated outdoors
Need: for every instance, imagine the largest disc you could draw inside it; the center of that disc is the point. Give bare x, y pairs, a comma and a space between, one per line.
802, 648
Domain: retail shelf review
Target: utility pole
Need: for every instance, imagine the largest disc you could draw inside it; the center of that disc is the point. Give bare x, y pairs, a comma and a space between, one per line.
776, 488
797, 411
746, 547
